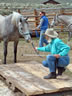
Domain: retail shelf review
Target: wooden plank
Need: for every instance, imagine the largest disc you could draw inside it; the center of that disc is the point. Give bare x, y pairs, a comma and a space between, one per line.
68, 13
22, 84
28, 78
37, 82
40, 71
70, 67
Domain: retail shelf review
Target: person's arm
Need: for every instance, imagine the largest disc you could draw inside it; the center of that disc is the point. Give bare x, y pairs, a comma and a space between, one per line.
40, 24
45, 48
63, 47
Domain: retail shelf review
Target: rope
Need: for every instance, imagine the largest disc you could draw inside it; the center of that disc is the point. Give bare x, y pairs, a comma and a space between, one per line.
36, 50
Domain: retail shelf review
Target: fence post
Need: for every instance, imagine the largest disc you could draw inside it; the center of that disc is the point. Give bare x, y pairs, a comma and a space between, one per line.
62, 13
36, 17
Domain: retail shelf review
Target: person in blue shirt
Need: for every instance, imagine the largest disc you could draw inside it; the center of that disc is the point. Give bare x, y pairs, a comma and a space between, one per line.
59, 52
43, 25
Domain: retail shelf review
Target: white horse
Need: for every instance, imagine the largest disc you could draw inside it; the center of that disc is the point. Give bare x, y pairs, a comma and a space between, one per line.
11, 27
67, 20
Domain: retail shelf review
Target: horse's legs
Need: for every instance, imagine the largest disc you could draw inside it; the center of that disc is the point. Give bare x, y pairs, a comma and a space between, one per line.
5, 51
15, 51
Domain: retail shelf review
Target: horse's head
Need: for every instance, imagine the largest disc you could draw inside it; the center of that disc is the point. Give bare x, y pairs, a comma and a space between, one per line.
55, 21
22, 25
24, 28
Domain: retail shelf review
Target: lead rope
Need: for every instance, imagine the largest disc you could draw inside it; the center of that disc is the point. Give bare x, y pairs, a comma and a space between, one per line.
35, 50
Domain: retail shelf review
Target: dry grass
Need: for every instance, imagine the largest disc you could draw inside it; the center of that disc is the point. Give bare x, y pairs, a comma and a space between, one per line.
24, 48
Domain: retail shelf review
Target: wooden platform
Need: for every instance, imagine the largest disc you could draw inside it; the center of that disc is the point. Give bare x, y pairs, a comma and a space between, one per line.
28, 79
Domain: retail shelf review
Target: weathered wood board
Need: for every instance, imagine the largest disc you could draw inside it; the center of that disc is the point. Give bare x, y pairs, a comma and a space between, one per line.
70, 67
28, 78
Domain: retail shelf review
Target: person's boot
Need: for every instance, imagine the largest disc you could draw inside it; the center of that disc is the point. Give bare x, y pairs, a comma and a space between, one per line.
52, 75
60, 70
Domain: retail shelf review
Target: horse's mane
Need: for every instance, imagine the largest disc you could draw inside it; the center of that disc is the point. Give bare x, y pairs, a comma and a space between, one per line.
15, 17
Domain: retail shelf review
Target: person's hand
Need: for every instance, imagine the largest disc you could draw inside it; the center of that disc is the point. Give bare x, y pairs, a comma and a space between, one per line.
36, 48
57, 55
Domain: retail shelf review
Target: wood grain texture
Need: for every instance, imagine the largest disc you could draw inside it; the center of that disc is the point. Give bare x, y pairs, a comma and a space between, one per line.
28, 78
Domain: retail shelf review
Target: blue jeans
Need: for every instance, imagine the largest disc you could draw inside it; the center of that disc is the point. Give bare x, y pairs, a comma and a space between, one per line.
63, 61
42, 39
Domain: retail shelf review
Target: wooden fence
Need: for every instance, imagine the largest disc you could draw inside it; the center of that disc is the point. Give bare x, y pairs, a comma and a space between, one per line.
50, 13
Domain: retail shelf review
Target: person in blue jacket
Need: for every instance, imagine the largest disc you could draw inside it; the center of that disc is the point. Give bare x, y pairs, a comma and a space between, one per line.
43, 25
59, 52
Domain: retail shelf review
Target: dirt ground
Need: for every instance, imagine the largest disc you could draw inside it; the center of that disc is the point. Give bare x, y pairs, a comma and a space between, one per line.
25, 54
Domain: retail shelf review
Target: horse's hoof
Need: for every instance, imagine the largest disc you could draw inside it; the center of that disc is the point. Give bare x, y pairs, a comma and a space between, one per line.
4, 63
15, 61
